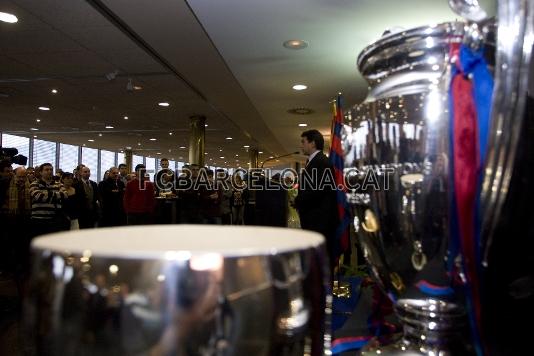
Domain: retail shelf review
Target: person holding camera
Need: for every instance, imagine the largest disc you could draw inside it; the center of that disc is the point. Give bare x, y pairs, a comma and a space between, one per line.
47, 197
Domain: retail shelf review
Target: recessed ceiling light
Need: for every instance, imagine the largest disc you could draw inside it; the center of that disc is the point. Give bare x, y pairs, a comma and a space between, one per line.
109, 127
34, 136
260, 152
44, 108
237, 155
246, 146
222, 157
300, 87
220, 150
158, 153
271, 156
84, 145
182, 147
34, 129
295, 44
54, 91
91, 140
228, 138
100, 135
303, 125
205, 125
9, 18
126, 118
38, 120
205, 153
211, 159
164, 104
138, 143
137, 87
153, 139
170, 133
128, 147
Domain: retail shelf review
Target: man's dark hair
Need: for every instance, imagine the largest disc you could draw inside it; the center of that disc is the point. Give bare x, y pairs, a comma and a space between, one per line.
45, 165
314, 136
122, 165
164, 159
139, 166
4, 164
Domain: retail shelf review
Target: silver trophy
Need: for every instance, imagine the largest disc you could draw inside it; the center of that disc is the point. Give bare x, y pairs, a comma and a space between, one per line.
179, 290
401, 133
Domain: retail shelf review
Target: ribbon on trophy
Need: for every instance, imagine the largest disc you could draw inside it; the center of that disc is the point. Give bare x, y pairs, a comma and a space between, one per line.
471, 89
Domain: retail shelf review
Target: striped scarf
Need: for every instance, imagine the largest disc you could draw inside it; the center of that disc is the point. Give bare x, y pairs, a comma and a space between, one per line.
13, 197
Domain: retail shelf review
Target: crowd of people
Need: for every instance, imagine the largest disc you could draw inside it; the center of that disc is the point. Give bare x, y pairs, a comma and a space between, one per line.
37, 201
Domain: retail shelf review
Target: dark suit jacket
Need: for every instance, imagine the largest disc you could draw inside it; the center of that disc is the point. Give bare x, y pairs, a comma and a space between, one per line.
88, 214
316, 200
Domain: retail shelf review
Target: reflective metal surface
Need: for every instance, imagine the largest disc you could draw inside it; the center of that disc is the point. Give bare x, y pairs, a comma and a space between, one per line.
179, 290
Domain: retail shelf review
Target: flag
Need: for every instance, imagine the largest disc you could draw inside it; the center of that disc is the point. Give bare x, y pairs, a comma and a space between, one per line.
336, 159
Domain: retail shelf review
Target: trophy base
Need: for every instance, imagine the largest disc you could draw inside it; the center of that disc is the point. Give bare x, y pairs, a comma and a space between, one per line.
431, 328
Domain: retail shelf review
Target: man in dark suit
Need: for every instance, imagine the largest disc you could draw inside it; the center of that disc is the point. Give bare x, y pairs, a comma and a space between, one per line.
316, 200
89, 213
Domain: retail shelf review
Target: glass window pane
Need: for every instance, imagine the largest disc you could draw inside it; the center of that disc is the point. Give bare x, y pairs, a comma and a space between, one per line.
136, 160
120, 158
172, 165
90, 159
151, 167
107, 160
22, 144
44, 152
68, 157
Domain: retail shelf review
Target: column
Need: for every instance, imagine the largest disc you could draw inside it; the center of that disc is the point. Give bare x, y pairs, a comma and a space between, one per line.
253, 158
128, 158
196, 140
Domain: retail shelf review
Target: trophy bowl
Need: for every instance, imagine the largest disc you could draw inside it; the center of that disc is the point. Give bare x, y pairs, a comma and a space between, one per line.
180, 290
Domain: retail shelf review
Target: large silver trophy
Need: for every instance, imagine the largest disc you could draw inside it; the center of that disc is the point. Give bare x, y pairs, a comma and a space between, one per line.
402, 132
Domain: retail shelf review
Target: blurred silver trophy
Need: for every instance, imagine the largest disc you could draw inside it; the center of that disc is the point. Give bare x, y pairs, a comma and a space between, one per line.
402, 133
179, 290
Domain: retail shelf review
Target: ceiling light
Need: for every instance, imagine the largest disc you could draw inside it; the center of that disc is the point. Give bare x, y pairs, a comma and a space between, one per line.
109, 127
182, 147
158, 153
303, 125
300, 87
164, 104
228, 138
222, 157
260, 152
126, 118
138, 143
9, 18
137, 87
237, 155
271, 156
170, 133
100, 135
205, 125
38, 120
34, 129
220, 150
246, 146
34, 136
91, 140
295, 44
205, 153
128, 147
153, 139
54, 91
44, 108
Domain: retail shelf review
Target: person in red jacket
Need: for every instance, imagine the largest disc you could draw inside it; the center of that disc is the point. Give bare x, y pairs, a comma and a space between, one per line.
139, 199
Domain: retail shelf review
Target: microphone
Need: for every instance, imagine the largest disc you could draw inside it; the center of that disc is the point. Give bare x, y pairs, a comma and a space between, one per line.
270, 159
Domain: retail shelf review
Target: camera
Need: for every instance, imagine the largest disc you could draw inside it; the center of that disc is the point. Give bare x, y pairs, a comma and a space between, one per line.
11, 155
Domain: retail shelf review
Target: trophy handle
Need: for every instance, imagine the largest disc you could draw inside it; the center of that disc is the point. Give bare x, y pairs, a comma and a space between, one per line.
515, 38
469, 10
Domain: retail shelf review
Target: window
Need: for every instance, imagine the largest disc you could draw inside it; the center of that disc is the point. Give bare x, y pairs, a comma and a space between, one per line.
120, 158
136, 160
44, 152
68, 157
107, 160
22, 144
172, 165
151, 167
90, 160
